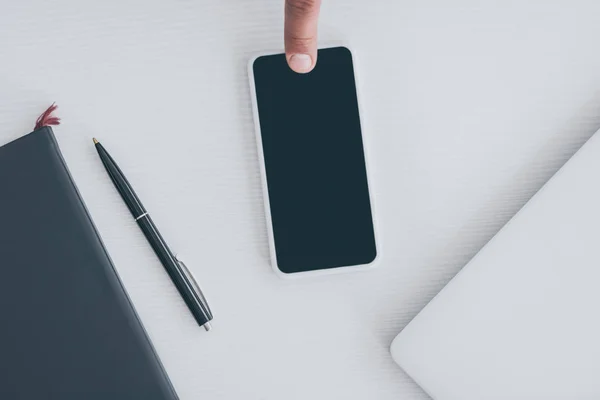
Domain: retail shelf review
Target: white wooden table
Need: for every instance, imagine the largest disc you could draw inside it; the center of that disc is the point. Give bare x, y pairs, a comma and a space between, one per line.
470, 106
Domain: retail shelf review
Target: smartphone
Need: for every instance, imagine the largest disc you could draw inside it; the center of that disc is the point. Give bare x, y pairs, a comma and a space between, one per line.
313, 164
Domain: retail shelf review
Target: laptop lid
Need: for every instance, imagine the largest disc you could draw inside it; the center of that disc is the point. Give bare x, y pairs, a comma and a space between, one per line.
522, 319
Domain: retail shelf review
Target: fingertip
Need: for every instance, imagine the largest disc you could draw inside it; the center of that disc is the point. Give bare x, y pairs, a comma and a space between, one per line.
301, 63
300, 34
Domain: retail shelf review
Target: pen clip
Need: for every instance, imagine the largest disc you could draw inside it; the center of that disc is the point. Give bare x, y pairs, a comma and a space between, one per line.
193, 282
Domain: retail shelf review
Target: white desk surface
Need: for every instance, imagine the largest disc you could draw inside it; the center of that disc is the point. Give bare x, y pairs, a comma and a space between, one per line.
469, 106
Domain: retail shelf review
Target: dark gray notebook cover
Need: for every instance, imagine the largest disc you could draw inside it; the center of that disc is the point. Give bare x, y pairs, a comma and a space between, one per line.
67, 327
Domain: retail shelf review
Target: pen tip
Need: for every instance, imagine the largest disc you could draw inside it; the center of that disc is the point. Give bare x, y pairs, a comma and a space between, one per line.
95, 140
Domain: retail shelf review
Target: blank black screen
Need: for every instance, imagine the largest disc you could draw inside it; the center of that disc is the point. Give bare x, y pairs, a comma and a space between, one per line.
315, 163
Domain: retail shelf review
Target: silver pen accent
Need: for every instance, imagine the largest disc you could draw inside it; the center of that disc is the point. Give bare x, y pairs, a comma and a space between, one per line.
142, 216
190, 277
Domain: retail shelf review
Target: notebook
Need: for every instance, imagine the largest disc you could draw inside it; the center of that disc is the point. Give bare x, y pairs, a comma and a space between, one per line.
67, 327
522, 320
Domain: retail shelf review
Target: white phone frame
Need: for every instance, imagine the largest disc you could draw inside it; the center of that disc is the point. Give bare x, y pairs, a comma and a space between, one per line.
265, 188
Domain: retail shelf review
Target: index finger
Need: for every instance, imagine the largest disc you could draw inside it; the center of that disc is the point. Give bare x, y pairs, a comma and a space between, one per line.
301, 22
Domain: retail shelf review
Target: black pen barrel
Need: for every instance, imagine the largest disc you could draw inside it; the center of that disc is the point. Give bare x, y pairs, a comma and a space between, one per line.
183, 284
123, 187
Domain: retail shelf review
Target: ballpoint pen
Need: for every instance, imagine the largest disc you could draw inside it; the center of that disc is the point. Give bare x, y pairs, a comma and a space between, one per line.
177, 270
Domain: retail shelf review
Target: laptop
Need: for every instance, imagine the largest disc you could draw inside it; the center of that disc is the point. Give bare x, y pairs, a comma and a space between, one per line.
522, 320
